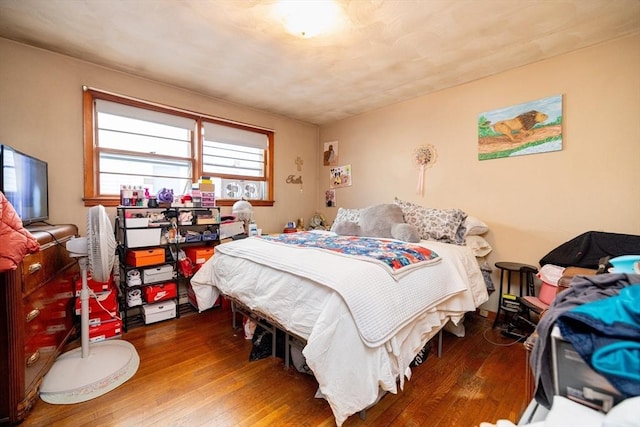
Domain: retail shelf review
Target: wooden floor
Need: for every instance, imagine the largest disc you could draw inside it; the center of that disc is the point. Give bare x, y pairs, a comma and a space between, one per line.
194, 371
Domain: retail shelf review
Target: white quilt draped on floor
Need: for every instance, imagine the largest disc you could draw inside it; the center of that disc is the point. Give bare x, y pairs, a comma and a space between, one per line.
349, 370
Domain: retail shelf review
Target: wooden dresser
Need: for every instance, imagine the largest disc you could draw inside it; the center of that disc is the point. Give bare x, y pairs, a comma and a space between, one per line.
36, 318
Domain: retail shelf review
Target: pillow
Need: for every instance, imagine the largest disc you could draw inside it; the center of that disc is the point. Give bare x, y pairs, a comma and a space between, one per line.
474, 227
346, 228
433, 224
377, 220
405, 232
478, 245
352, 215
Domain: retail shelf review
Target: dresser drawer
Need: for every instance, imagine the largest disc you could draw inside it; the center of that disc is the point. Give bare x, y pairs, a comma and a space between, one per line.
48, 320
41, 266
33, 271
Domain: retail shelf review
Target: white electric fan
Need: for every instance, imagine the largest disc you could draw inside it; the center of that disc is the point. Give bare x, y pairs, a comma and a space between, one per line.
87, 372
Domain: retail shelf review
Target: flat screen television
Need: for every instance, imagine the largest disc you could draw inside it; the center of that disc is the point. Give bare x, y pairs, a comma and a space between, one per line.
24, 182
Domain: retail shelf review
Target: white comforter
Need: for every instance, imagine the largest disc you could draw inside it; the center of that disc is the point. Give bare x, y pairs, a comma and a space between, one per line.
350, 365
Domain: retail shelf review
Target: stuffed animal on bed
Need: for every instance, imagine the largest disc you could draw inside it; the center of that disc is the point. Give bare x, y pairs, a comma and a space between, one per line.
385, 221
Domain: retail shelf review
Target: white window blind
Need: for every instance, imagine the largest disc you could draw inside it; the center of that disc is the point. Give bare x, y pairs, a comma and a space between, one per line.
145, 115
234, 136
141, 147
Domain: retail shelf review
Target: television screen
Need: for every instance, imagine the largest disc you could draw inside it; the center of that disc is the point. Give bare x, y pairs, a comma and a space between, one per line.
24, 182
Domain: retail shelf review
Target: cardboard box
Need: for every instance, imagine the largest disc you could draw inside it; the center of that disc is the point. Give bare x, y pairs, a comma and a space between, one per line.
575, 380
199, 254
193, 300
102, 307
137, 238
159, 311
163, 292
95, 286
105, 330
141, 258
158, 274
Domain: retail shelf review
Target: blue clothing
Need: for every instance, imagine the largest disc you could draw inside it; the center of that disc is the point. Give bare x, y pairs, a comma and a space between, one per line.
606, 334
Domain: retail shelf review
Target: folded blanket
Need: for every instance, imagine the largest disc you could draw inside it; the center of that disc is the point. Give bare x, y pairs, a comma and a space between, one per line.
394, 256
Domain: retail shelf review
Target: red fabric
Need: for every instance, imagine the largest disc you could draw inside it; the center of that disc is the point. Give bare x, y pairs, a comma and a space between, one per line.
15, 240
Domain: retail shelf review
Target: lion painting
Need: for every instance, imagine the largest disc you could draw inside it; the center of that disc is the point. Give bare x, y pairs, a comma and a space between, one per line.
522, 124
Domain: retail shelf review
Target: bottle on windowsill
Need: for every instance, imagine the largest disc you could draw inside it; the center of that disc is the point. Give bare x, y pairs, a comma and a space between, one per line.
253, 229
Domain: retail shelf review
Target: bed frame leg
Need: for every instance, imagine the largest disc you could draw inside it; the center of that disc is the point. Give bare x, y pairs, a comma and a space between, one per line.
363, 414
287, 349
233, 315
440, 344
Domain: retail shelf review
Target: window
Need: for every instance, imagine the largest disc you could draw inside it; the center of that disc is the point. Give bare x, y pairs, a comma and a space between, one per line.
130, 142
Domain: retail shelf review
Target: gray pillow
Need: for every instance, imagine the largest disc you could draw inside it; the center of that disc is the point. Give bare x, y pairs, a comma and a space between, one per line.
346, 228
405, 232
377, 220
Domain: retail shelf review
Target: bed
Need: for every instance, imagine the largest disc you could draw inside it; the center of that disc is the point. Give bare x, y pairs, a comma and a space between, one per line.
362, 323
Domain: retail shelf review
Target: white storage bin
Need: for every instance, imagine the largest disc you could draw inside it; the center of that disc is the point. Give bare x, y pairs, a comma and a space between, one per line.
143, 237
136, 222
157, 274
159, 311
231, 229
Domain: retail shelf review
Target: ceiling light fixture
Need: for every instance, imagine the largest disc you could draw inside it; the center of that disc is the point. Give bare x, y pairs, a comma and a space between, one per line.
309, 18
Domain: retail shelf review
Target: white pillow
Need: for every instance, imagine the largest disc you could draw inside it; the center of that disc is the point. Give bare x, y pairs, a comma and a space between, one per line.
474, 226
433, 224
478, 245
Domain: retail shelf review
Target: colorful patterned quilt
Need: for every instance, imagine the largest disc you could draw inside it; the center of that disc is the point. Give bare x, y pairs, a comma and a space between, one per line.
395, 256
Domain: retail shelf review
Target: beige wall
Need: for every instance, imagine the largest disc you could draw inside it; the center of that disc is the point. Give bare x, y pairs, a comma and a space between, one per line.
41, 115
532, 203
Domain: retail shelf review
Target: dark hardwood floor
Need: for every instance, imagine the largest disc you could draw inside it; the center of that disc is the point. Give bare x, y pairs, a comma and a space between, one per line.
194, 371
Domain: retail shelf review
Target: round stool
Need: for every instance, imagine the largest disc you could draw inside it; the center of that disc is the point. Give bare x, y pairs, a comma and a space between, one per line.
525, 272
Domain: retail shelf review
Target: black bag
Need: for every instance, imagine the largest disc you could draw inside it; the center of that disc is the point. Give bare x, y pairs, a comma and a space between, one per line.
262, 341
587, 249
422, 355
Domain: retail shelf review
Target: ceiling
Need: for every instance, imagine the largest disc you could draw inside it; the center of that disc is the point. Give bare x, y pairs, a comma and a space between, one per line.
385, 52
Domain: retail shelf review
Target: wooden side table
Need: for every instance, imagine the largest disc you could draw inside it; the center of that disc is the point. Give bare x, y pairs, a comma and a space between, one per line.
525, 272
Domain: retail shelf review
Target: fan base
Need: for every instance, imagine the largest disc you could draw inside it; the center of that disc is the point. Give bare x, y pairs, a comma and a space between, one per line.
74, 379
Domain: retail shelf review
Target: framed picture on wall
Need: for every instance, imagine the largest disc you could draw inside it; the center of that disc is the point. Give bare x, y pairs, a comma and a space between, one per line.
530, 128
330, 198
330, 153
340, 176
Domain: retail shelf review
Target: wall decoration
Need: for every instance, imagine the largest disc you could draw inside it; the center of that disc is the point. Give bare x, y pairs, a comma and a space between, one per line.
330, 198
424, 156
330, 153
340, 176
529, 128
